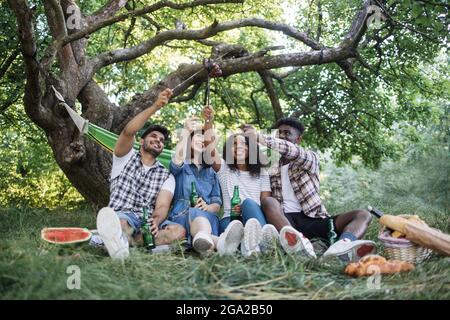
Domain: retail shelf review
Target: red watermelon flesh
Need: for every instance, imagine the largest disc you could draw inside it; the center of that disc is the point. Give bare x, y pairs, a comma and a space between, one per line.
65, 235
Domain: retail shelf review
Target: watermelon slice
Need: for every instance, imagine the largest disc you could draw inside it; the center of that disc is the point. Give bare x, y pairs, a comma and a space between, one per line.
65, 235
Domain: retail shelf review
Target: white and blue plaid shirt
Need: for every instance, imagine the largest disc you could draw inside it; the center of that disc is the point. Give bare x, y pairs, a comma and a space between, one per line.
135, 187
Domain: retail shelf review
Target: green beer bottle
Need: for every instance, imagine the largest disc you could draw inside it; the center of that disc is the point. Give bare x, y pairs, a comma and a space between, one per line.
235, 213
194, 195
147, 235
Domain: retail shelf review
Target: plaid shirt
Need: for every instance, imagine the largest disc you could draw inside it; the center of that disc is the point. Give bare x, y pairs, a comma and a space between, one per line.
133, 189
303, 174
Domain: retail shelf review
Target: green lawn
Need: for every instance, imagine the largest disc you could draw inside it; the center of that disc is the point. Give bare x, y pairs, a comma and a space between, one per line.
31, 269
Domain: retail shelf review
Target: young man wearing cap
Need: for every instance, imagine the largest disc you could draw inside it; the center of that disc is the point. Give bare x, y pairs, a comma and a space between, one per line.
296, 209
138, 181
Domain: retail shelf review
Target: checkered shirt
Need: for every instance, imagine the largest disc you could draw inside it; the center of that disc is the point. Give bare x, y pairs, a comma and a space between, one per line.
133, 189
303, 174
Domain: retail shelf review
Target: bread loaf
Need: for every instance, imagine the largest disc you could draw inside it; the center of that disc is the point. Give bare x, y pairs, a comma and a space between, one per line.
373, 264
414, 219
394, 222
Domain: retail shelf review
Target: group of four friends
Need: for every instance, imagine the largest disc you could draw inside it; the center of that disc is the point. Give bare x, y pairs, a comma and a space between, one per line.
280, 205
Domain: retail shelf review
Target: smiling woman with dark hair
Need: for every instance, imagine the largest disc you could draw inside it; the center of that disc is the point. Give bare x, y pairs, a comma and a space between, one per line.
253, 166
241, 166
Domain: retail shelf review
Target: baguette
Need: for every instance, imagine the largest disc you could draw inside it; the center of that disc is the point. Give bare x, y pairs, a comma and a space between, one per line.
395, 223
414, 219
428, 237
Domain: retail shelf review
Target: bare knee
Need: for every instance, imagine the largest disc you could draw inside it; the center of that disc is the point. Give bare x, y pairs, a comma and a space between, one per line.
176, 232
363, 216
270, 204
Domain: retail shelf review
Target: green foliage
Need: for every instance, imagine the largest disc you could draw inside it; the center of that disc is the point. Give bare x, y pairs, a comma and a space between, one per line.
29, 174
11, 72
406, 81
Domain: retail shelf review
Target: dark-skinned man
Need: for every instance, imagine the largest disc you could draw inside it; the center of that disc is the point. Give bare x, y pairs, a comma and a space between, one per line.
296, 209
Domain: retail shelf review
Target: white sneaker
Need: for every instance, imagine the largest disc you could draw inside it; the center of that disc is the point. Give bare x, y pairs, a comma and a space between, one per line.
202, 243
230, 239
350, 251
252, 238
110, 231
293, 242
270, 238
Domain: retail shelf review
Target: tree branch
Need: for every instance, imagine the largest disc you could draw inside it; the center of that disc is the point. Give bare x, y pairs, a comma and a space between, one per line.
60, 29
255, 104
319, 21
136, 13
9, 102
191, 94
228, 67
32, 96
128, 32
121, 55
145, 47
199, 34
107, 11
405, 26
271, 92
358, 27
157, 26
8, 62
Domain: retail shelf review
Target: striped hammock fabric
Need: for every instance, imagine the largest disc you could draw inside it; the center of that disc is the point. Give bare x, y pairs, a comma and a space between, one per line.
103, 137
108, 140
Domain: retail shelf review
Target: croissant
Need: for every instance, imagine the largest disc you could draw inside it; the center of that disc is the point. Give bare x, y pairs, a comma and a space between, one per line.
372, 264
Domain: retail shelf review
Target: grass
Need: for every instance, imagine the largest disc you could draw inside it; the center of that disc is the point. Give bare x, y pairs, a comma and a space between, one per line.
32, 269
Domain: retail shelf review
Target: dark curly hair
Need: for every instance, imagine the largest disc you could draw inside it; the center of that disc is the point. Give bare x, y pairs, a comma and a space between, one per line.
254, 167
292, 122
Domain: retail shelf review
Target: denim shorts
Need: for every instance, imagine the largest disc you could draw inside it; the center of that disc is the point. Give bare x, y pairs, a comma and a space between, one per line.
136, 222
188, 216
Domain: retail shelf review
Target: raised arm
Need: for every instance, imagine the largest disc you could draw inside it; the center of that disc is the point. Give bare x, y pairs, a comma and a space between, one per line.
210, 138
181, 149
127, 136
307, 159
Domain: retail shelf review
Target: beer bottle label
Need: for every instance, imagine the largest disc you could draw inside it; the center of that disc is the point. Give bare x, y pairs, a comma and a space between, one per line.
332, 233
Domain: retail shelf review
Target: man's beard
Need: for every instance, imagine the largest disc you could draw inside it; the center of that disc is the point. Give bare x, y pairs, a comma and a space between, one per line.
153, 152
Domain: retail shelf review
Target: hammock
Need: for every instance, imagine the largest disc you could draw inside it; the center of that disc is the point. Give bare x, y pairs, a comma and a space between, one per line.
103, 137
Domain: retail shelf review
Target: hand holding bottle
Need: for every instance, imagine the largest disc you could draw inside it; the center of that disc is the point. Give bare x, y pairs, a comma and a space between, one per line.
154, 227
201, 204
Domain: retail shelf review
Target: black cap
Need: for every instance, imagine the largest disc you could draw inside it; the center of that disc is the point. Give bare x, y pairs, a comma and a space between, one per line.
156, 127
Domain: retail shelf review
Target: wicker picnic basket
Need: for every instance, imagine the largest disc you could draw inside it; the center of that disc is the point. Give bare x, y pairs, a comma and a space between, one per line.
403, 249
